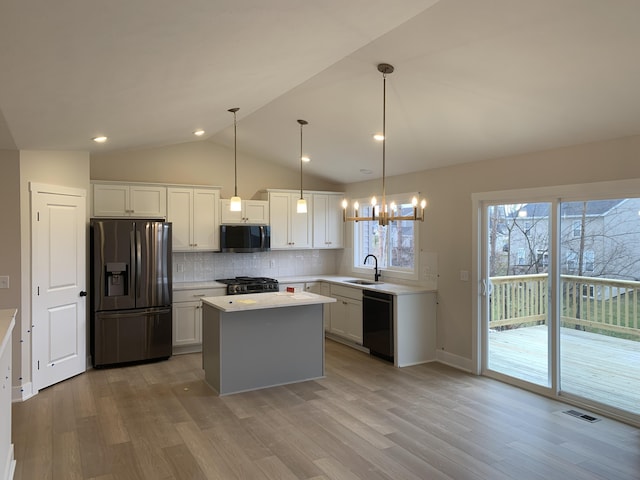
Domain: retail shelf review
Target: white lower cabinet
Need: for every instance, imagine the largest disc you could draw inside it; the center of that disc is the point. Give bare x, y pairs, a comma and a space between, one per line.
187, 318
346, 313
324, 289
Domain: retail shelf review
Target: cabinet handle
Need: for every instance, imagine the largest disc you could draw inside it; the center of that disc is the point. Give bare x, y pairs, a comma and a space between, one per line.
199, 294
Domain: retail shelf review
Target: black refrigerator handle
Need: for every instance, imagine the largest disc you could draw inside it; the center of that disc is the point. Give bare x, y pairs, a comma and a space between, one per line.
138, 263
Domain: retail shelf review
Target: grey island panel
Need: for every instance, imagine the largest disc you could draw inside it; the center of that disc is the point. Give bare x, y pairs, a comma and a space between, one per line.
248, 350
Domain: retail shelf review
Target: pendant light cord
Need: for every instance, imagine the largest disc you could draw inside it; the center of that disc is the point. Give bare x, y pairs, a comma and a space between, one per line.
384, 138
302, 123
301, 160
235, 150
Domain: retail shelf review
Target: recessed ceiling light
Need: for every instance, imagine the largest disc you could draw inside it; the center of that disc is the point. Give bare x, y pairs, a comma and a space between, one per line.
366, 171
378, 137
198, 133
99, 139
305, 159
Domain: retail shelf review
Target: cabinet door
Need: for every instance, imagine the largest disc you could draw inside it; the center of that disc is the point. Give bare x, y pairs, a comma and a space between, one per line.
325, 290
227, 216
206, 231
300, 223
180, 204
148, 201
110, 200
256, 211
334, 221
279, 206
187, 323
354, 320
339, 317
320, 210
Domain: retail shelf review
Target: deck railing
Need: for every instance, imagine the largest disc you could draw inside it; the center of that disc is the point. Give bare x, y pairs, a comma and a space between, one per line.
611, 306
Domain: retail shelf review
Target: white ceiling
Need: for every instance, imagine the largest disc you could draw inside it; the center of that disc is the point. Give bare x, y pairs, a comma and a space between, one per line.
474, 79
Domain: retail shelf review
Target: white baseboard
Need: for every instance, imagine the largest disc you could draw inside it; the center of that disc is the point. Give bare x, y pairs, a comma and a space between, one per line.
22, 393
10, 465
179, 350
455, 361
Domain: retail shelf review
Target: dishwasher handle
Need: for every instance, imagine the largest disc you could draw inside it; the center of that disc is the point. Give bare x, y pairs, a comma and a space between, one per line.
380, 296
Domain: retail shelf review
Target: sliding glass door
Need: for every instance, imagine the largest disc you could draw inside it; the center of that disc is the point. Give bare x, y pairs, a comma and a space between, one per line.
560, 298
600, 328
517, 286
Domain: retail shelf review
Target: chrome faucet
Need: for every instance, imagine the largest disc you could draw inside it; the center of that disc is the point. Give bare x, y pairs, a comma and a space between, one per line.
377, 274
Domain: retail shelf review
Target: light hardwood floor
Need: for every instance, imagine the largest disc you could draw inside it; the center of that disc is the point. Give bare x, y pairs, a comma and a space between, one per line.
365, 420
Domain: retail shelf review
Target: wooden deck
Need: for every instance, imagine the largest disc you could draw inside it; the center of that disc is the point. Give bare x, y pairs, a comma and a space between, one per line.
597, 367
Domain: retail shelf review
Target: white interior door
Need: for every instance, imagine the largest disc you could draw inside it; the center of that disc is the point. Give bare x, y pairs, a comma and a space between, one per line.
58, 284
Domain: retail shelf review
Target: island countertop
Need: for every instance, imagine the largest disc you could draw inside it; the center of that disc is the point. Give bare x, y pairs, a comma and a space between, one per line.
259, 301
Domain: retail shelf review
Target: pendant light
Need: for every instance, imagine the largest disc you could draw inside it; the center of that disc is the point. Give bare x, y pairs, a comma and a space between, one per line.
385, 214
301, 206
235, 205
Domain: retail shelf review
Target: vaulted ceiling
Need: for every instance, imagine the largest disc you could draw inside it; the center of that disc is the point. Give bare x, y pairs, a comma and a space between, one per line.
474, 79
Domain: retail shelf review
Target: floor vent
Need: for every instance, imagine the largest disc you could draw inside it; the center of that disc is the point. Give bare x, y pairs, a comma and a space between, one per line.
582, 416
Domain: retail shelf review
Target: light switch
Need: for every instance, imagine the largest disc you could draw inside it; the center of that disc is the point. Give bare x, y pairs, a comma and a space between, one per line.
4, 281
464, 275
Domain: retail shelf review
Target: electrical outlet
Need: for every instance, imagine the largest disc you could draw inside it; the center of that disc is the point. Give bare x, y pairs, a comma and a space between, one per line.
4, 281
180, 267
272, 264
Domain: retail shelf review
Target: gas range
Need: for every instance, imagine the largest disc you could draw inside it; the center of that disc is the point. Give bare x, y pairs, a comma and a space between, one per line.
241, 285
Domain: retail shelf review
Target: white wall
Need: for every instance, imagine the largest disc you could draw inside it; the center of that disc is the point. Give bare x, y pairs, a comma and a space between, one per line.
447, 229
10, 237
67, 169
201, 163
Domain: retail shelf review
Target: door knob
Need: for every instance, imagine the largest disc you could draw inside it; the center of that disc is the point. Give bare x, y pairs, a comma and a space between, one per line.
83, 293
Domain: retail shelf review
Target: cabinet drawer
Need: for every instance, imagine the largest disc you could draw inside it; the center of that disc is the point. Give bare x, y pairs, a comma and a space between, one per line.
195, 295
349, 292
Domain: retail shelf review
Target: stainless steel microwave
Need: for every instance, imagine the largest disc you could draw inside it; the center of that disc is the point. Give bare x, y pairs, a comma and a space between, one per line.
245, 238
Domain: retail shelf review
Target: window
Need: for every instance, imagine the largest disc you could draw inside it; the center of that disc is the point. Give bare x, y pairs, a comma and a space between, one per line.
394, 245
521, 259
572, 261
577, 228
543, 258
588, 260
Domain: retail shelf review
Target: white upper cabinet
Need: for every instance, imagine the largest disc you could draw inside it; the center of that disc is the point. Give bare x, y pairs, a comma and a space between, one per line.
253, 211
194, 215
328, 226
289, 229
129, 200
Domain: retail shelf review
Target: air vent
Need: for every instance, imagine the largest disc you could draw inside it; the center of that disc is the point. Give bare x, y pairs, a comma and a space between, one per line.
582, 416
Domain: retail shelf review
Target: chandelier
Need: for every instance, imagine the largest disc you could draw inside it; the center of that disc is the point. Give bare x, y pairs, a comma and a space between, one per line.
384, 213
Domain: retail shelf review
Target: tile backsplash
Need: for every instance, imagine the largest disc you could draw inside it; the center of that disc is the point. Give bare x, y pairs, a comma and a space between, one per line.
205, 266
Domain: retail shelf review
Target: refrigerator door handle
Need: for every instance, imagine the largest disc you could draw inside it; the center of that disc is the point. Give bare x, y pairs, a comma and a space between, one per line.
138, 245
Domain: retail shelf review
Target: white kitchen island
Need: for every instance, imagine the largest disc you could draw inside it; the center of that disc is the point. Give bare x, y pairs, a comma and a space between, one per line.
262, 340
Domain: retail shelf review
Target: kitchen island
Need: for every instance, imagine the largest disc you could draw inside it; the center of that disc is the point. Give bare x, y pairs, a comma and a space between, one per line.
262, 340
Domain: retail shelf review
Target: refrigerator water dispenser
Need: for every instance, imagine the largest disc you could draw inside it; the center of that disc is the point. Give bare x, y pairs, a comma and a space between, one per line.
116, 279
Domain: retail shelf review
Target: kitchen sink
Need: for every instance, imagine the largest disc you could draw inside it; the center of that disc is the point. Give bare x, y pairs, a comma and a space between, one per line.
363, 282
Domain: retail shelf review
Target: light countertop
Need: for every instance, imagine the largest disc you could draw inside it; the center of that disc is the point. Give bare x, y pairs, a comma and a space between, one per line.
258, 301
198, 285
385, 287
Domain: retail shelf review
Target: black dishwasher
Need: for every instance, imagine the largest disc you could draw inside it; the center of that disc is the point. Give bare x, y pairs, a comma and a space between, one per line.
377, 323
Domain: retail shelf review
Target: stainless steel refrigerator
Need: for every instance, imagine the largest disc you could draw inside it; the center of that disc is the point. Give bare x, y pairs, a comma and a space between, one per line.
131, 290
